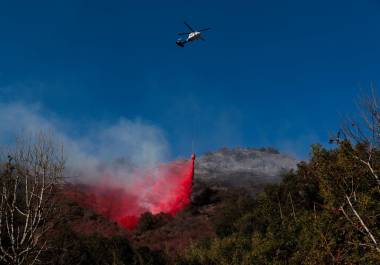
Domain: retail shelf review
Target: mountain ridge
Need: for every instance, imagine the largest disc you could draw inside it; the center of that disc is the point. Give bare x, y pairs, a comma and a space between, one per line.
243, 167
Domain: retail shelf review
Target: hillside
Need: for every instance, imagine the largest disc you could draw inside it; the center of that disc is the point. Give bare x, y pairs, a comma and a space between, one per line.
218, 177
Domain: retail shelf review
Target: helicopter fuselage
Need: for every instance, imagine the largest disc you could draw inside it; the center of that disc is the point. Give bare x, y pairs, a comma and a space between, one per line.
196, 35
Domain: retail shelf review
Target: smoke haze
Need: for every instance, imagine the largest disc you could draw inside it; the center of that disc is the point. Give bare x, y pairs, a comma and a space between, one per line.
102, 149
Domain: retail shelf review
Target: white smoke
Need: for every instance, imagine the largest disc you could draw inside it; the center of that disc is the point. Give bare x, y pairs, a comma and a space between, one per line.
101, 148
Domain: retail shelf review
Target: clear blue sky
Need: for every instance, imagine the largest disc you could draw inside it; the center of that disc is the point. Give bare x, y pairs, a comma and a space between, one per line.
270, 73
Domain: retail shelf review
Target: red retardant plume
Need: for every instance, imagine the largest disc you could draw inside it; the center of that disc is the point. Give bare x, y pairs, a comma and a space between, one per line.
166, 188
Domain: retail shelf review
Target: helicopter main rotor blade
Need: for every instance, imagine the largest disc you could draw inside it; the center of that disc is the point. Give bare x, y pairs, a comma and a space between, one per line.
183, 33
204, 29
192, 30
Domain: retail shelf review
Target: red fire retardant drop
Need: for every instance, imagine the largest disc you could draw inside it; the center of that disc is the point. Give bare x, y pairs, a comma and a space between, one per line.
166, 188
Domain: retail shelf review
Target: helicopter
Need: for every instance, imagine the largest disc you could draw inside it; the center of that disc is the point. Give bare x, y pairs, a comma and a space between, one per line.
193, 35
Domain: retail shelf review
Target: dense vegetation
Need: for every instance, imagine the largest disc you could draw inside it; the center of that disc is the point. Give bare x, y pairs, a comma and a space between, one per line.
306, 219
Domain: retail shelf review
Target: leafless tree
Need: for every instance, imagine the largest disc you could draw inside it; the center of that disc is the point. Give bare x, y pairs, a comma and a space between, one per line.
29, 177
363, 132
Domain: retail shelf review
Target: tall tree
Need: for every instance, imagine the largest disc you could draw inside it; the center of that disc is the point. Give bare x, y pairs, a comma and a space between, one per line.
29, 178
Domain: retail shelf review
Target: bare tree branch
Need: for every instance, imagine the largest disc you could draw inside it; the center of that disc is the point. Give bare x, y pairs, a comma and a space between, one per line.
370, 235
